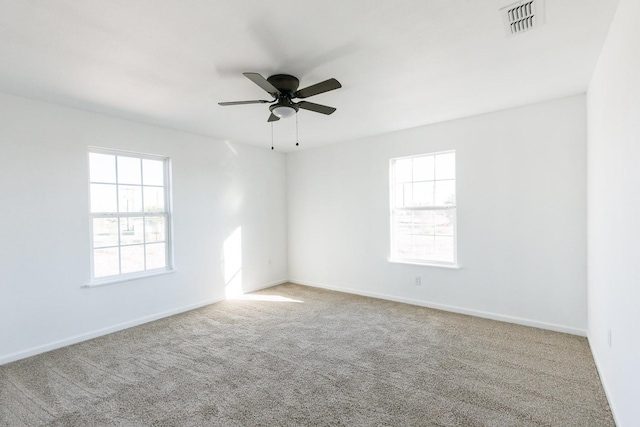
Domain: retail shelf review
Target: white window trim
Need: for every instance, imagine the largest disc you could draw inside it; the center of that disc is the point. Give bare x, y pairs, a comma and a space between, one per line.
129, 277
101, 281
420, 262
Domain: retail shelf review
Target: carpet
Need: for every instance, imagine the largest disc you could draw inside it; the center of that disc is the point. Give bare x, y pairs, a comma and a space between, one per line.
292, 355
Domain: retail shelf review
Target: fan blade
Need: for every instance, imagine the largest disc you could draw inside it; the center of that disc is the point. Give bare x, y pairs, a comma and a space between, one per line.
257, 101
321, 87
263, 83
316, 107
273, 118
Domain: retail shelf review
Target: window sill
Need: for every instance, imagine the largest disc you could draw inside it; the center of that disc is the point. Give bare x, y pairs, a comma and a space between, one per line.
427, 264
128, 278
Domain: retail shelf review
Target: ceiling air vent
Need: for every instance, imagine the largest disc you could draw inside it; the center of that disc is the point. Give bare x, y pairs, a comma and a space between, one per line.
523, 16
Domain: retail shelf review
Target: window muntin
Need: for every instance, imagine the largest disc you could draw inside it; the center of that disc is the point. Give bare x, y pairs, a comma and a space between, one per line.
423, 209
129, 215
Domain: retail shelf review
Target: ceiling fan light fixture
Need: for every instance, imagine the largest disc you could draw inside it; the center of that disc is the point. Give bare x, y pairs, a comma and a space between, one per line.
283, 111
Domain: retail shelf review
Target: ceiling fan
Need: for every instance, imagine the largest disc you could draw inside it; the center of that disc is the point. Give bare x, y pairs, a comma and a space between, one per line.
284, 88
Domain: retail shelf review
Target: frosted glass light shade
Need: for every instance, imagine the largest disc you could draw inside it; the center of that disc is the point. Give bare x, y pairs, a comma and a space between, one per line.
283, 112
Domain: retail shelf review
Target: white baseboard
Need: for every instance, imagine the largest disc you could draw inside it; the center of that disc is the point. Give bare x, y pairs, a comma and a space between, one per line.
603, 381
454, 309
99, 332
265, 285
115, 328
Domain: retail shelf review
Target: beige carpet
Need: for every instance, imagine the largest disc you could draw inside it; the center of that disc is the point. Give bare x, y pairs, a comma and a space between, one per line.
294, 355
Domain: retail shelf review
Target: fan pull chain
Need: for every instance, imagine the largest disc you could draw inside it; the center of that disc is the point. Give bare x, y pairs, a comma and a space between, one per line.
272, 135
297, 130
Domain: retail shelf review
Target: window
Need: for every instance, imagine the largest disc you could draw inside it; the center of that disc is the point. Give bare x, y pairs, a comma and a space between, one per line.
423, 209
129, 215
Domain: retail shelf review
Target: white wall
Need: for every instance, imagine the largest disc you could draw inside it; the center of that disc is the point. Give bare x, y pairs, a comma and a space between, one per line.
521, 216
613, 176
44, 225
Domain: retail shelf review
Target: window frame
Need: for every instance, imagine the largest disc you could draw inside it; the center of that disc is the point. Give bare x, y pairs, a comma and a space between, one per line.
167, 213
393, 209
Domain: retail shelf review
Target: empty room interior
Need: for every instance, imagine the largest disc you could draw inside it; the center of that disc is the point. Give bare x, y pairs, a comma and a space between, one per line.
421, 212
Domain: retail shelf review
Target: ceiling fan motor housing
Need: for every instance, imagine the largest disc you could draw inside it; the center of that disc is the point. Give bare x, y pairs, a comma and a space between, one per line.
284, 83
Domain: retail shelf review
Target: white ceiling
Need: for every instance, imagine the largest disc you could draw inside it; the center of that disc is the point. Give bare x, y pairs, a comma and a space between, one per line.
402, 64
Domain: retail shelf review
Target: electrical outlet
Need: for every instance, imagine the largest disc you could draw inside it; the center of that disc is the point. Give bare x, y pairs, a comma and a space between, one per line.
609, 338
418, 280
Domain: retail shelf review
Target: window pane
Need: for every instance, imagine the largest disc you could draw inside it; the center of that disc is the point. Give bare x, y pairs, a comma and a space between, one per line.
154, 229
105, 262
105, 232
408, 194
423, 223
423, 194
445, 193
420, 233
153, 172
102, 168
403, 223
103, 198
156, 256
131, 231
404, 247
444, 222
403, 169
423, 247
446, 166
423, 168
129, 213
128, 170
443, 249
132, 258
130, 198
153, 199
